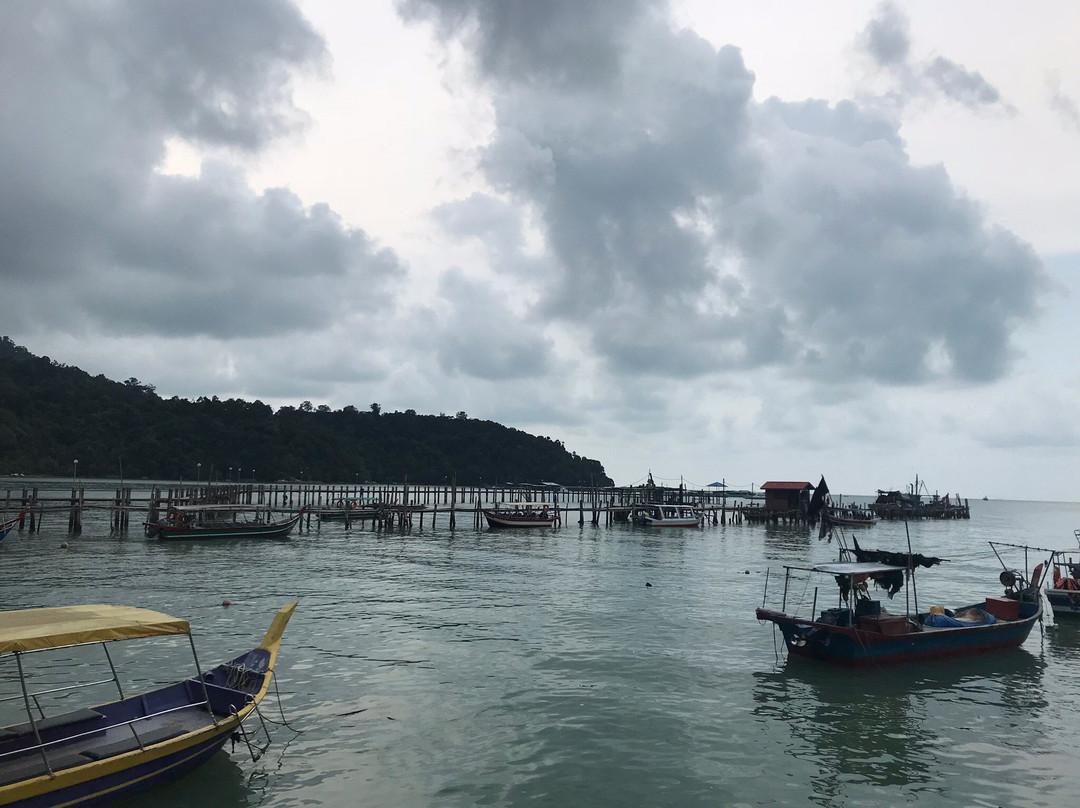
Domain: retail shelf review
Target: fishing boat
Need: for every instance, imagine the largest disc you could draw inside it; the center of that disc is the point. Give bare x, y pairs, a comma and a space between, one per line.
851, 517
217, 522
94, 755
859, 631
1063, 581
349, 508
522, 514
8, 526
656, 515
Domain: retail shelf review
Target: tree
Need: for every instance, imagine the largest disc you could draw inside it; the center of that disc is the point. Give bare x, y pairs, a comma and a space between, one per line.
376, 409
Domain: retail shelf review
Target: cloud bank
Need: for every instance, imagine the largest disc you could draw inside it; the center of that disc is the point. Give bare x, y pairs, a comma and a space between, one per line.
693, 229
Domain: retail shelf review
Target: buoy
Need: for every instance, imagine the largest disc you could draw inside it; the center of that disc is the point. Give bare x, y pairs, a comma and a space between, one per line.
225, 603
64, 545
647, 584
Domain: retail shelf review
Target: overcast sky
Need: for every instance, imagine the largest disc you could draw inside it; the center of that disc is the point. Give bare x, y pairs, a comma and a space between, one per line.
711, 240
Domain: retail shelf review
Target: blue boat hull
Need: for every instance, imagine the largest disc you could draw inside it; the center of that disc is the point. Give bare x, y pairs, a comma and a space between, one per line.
106, 789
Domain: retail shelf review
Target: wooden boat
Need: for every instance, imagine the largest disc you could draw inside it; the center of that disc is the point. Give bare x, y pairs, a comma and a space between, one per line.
94, 755
859, 632
217, 522
349, 508
656, 515
522, 514
8, 526
851, 517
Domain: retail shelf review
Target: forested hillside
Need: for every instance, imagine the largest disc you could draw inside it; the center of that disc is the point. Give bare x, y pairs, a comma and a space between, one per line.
51, 414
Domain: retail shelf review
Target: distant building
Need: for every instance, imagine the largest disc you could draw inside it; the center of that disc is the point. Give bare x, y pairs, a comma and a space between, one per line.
787, 496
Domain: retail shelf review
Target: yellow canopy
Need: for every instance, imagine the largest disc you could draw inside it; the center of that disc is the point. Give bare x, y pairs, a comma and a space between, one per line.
34, 629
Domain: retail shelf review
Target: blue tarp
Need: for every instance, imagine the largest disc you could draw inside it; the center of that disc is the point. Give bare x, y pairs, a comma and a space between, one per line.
944, 621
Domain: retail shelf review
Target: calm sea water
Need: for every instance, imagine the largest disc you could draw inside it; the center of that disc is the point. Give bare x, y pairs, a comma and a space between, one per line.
537, 668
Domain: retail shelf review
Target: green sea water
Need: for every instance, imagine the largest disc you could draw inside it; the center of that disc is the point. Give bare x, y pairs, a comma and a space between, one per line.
536, 668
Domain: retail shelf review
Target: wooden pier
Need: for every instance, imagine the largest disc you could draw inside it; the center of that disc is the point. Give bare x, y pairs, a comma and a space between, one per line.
400, 505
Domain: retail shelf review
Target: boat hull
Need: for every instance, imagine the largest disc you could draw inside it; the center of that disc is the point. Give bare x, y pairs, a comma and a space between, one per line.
9, 525
648, 521
168, 532
1064, 602
107, 786
497, 520
843, 521
847, 645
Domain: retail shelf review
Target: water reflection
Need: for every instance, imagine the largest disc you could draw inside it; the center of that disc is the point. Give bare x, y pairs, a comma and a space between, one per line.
789, 543
897, 727
219, 781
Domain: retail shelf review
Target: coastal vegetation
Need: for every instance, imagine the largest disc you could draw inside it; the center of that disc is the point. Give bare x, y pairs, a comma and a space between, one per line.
52, 414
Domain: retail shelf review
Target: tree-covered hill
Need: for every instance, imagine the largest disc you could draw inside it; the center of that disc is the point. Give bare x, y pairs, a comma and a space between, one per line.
51, 414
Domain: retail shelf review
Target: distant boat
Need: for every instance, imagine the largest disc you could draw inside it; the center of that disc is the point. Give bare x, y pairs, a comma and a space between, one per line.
184, 522
860, 632
100, 753
522, 514
350, 508
851, 517
657, 515
6, 527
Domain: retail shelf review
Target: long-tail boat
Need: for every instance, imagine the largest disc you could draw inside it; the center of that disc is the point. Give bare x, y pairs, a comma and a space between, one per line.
96, 754
217, 522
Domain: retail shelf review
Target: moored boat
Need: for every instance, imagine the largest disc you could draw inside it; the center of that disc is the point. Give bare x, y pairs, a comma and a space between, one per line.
851, 517
522, 514
349, 508
217, 522
1063, 581
657, 515
9, 525
858, 631
94, 755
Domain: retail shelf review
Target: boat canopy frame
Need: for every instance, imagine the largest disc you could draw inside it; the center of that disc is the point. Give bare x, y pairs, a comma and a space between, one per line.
28, 631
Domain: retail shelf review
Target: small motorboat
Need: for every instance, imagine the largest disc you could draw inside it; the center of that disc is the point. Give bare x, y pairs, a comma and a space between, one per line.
96, 754
657, 515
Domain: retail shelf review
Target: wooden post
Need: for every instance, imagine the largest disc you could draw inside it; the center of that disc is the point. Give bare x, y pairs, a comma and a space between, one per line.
453, 500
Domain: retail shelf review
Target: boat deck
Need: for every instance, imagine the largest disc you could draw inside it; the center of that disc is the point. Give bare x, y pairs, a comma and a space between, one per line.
84, 736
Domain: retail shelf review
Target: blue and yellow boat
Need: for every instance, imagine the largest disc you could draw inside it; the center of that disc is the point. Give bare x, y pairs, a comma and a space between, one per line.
94, 755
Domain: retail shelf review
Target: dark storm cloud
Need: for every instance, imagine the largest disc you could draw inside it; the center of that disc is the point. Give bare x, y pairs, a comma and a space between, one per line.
93, 236
887, 40
691, 229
